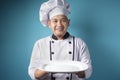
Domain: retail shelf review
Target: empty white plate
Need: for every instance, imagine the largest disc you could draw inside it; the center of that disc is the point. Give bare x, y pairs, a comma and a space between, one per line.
65, 66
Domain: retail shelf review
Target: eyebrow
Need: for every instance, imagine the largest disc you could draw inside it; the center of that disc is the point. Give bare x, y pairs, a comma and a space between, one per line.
57, 19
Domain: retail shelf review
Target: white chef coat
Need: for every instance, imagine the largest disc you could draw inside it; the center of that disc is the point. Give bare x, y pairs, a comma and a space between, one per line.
47, 49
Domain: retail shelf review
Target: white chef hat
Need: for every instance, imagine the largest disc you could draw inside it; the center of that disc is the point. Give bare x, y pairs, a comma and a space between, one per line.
51, 8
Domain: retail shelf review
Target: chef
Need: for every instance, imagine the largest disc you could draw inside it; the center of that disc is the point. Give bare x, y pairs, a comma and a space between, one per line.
60, 46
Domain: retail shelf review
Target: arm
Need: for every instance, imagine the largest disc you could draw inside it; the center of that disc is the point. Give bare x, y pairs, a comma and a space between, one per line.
34, 66
81, 74
84, 57
39, 73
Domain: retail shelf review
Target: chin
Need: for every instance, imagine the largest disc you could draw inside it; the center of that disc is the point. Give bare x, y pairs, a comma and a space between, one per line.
60, 33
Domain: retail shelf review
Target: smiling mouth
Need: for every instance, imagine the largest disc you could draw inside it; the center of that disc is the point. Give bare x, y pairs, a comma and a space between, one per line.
59, 28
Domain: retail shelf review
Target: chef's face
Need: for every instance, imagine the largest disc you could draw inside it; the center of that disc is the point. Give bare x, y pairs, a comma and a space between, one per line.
59, 25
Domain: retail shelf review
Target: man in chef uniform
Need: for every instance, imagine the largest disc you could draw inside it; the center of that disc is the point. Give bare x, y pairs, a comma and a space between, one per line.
60, 46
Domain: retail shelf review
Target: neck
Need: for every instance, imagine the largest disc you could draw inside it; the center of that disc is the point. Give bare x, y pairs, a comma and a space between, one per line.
61, 37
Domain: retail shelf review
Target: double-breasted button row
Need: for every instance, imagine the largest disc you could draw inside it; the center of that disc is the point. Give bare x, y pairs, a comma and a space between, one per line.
68, 42
69, 52
52, 41
67, 78
52, 52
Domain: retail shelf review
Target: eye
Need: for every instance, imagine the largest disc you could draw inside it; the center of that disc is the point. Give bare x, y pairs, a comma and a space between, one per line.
64, 20
55, 21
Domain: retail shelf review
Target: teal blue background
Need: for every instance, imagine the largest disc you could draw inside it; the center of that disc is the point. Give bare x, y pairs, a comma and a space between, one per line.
97, 22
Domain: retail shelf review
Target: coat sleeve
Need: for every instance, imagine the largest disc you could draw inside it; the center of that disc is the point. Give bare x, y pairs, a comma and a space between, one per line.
84, 56
34, 62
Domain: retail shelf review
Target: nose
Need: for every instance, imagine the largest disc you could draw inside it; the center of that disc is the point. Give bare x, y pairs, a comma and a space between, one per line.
59, 23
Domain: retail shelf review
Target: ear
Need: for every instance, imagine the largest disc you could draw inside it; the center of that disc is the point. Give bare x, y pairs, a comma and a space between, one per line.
68, 22
48, 23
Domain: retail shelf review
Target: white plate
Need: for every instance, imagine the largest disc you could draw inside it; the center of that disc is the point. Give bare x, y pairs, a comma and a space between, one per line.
65, 66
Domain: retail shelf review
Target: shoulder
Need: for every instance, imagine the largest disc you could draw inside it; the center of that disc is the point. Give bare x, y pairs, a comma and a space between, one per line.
43, 40
79, 41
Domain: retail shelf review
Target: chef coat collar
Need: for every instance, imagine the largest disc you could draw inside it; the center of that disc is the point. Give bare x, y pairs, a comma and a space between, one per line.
64, 37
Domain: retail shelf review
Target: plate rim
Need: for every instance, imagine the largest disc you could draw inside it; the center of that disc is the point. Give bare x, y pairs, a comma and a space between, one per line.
77, 63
